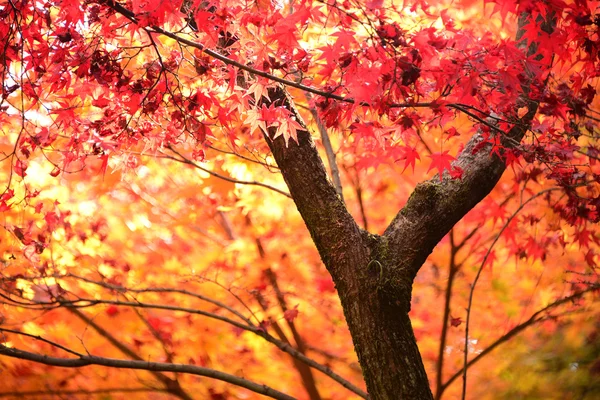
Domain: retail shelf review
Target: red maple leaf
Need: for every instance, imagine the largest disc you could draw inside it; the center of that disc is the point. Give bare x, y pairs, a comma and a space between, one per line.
589, 258
290, 315
410, 155
112, 310
20, 168
441, 161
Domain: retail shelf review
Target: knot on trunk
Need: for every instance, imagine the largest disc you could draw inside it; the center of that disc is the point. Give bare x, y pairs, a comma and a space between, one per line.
391, 281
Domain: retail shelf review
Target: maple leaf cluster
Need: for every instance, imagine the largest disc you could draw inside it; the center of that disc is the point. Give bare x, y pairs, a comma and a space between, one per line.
103, 103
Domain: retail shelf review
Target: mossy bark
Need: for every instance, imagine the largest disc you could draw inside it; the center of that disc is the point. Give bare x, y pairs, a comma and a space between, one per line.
374, 287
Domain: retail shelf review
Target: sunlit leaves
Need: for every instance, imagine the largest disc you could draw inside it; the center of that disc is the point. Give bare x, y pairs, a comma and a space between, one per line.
132, 161
441, 161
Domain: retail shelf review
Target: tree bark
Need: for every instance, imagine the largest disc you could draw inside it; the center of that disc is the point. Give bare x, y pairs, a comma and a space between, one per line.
357, 261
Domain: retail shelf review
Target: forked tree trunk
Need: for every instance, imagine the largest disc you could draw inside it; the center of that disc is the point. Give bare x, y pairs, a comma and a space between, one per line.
374, 274
377, 317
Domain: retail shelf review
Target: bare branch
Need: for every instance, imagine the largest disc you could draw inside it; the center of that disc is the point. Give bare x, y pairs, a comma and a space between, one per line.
21, 394
171, 385
474, 284
119, 288
535, 318
285, 347
86, 360
41, 339
335, 172
186, 160
355, 180
452, 270
269, 167
305, 373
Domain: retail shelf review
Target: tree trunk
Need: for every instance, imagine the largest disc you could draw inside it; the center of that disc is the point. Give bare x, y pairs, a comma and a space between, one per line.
374, 274
375, 304
382, 332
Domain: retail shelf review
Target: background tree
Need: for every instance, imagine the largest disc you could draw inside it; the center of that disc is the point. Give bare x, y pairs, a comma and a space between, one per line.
154, 154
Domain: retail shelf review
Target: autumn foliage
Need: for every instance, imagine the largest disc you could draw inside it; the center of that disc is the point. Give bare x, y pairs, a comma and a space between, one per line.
155, 155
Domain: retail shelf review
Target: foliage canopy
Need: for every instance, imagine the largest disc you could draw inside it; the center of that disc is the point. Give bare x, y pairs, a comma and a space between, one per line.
160, 161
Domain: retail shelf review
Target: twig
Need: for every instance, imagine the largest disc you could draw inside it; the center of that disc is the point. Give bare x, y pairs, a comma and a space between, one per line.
452, 270
171, 385
157, 290
21, 394
535, 318
308, 380
186, 160
474, 284
305, 373
41, 339
359, 195
335, 172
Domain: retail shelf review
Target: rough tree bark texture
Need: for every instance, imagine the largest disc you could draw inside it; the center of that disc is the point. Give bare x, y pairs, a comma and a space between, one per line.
374, 274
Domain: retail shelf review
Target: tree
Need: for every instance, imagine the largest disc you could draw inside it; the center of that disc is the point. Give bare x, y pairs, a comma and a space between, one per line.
105, 96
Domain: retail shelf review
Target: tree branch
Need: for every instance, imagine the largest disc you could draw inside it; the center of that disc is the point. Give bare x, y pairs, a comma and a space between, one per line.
304, 371
323, 211
435, 206
335, 172
41, 339
535, 318
452, 270
355, 180
285, 347
186, 160
143, 365
21, 394
474, 284
125, 289
171, 385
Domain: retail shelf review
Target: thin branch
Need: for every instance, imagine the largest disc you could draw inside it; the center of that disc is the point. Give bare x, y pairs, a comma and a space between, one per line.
335, 172
305, 373
86, 360
535, 318
452, 270
226, 224
300, 367
84, 303
156, 334
21, 394
473, 231
171, 385
186, 160
144, 196
420, 136
468, 236
269, 167
474, 284
286, 348
359, 195
37, 337
119, 288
